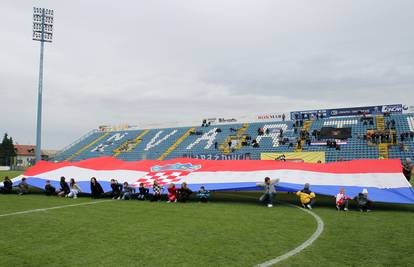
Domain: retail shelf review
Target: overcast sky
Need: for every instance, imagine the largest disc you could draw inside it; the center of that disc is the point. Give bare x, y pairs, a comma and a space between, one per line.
134, 62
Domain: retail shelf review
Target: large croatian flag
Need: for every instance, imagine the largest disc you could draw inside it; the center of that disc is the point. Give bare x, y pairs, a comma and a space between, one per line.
383, 178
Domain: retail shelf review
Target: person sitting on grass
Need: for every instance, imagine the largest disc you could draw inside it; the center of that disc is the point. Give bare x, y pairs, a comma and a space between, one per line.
269, 191
184, 193
116, 189
7, 186
203, 195
50, 190
96, 189
142, 192
363, 203
307, 197
23, 187
172, 193
74, 189
64, 187
127, 192
342, 200
157, 190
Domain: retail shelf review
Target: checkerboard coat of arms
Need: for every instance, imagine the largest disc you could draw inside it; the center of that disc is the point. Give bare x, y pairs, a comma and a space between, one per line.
166, 174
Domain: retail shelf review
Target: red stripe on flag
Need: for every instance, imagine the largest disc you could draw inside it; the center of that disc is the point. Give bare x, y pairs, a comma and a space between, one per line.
109, 163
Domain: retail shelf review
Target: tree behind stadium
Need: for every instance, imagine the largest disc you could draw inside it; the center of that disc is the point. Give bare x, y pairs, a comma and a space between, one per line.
7, 151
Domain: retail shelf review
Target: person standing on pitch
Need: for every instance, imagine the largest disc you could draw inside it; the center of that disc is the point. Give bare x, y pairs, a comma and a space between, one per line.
269, 191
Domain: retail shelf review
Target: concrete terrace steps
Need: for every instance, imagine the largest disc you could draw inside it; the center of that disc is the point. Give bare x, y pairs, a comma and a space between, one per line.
87, 146
130, 146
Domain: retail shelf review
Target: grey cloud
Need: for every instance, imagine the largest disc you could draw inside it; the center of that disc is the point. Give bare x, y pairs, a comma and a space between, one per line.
131, 62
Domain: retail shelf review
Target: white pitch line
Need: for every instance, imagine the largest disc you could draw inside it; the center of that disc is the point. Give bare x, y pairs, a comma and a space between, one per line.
302, 246
51, 208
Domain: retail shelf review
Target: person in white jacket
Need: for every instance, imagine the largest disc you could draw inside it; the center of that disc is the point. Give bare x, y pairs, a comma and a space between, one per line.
342, 200
269, 191
74, 189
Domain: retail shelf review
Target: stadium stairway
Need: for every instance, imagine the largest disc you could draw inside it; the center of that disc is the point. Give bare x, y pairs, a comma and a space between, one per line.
87, 146
174, 146
238, 139
380, 122
128, 146
383, 150
306, 127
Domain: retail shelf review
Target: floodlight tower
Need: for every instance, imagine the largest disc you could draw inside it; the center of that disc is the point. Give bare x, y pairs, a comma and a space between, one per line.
43, 32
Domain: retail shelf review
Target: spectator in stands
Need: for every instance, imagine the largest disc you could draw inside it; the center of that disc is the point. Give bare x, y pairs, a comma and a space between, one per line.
96, 189
172, 193
64, 187
269, 191
307, 197
22, 187
281, 157
183, 194
127, 192
342, 200
283, 117
364, 204
407, 169
7, 186
49, 189
299, 144
74, 189
142, 192
116, 189
203, 195
338, 147
157, 190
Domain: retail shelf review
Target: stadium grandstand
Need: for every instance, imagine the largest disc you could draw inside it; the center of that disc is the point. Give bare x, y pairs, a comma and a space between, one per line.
326, 135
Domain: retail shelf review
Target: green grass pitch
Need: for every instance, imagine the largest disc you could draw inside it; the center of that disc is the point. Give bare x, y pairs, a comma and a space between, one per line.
233, 230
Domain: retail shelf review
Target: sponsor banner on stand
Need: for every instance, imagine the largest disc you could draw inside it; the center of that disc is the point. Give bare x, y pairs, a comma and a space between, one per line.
353, 111
271, 117
408, 108
309, 157
323, 143
219, 156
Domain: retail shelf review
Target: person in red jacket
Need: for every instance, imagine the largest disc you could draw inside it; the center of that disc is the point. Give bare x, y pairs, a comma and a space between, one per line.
172, 193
